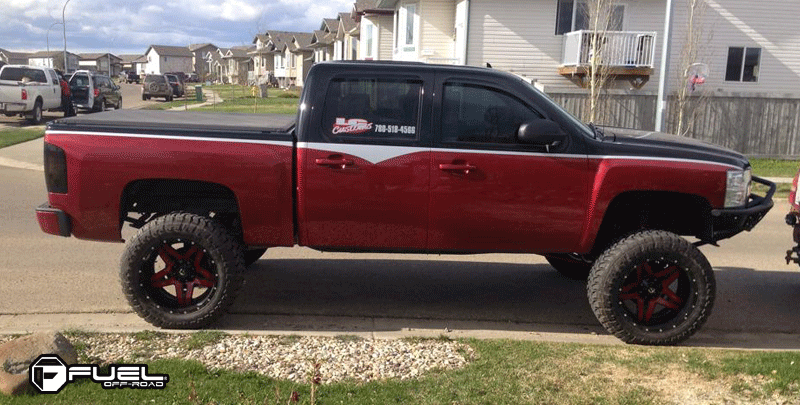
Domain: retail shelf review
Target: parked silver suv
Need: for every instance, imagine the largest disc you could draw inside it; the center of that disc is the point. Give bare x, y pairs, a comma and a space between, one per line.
156, 86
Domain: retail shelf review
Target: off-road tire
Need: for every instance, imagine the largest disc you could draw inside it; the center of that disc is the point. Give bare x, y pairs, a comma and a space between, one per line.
623, 273
570, 267
252, 255
36, 115
224, 257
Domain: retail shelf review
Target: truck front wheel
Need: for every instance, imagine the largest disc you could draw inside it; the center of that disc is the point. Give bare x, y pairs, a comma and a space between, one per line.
182, 271
652, 288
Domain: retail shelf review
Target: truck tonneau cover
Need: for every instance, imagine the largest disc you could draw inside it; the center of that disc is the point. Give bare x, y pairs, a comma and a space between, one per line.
136, 121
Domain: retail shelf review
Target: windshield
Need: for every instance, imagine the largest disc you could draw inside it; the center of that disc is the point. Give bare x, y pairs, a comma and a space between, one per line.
587, 129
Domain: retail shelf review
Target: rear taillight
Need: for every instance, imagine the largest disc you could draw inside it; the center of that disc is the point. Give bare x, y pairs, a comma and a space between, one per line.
96, 92
55, 169
24, 94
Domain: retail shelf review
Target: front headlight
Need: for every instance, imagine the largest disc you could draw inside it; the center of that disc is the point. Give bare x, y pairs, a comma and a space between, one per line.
738, 188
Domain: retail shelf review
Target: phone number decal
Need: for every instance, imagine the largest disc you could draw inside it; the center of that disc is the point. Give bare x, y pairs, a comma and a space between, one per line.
396, 129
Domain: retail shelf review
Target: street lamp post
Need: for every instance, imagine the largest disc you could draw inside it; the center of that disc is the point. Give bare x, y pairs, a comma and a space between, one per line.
48, 34
64, 24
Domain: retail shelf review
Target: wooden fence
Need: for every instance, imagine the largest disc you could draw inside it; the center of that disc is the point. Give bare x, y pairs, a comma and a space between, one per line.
754, 126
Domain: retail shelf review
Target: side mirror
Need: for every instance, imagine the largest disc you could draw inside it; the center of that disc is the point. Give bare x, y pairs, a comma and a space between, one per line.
540, 132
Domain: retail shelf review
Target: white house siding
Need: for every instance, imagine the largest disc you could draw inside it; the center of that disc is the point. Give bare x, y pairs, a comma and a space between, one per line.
437, 19
771, 26
385, 24
519, 36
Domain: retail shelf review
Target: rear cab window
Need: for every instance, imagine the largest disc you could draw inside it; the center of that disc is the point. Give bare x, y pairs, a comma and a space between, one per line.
21, 74
372, 109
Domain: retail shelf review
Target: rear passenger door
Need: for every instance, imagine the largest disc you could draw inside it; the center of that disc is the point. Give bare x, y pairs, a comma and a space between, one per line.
491, 193
365, 170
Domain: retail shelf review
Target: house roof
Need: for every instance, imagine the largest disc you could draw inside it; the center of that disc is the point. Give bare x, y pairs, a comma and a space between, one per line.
46, 54
261, 37
128, 58
362, 7
15, 55
166, 50
348, 24
141, 59
195, 47
332, 24
321, 38
280, 39
302, 42
95, 56
239, 52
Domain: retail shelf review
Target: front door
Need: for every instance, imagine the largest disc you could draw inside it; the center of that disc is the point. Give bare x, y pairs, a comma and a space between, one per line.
490, 193
364, 179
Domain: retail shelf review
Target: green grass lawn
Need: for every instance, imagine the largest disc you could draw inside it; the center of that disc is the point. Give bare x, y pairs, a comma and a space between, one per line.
240, 99
774, 167
500, 372
14, 136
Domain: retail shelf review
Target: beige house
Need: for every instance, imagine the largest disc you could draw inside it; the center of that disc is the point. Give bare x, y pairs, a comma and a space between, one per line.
346, 44
302, 57
163, 58
127, 62
323, 40
749, 48
239, 64
105, 63
263, 59
376, 28
199, 63
14, 58
54, 59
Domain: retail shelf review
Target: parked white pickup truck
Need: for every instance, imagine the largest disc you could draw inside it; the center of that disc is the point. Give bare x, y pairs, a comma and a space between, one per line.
29, 90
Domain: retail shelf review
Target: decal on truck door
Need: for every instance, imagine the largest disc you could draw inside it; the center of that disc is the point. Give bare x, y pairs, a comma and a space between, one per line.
351, 126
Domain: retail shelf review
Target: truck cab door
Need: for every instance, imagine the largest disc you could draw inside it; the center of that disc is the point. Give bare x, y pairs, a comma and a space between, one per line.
491, 192
51, 96
364, 171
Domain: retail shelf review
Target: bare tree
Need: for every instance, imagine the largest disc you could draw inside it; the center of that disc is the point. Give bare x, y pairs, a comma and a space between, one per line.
695, 48
601, 20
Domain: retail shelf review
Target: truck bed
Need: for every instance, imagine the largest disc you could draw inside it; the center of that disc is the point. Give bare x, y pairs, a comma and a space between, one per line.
182, 123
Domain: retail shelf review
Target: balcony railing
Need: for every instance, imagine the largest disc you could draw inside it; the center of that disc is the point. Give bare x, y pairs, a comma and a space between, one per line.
616, 49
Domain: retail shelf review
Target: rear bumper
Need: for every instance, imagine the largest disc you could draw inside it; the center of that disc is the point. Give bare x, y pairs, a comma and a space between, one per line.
53, 220
731, 221
13, 108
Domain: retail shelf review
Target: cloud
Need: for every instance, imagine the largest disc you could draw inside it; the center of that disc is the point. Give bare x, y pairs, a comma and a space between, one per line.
125, 26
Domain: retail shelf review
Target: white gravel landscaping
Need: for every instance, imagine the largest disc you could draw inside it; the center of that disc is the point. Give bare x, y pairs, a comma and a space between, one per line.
294, 358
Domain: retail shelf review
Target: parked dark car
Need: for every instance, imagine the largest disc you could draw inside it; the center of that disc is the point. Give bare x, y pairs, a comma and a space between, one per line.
192, 78
156, 86
94, 92
131, 77
180, 75
177, 85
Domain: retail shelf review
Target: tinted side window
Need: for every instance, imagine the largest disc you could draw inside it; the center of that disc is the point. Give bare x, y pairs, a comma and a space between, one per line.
79, 81
474, 113
375, 108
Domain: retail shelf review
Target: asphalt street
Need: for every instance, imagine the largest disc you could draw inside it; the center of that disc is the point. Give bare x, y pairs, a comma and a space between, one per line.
48, 281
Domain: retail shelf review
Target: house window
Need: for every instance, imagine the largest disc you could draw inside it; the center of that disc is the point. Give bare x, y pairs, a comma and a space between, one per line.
574, 15
743, 64
368, 40
410, 13
353, 48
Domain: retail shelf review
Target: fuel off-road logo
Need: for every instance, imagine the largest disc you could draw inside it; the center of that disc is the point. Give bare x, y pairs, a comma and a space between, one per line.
351, 126
49, 374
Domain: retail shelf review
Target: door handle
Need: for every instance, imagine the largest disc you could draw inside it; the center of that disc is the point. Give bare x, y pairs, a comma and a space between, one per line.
460, 167
340, 163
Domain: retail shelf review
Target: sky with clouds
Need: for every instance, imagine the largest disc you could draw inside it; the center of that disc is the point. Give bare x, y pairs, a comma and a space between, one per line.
130, 26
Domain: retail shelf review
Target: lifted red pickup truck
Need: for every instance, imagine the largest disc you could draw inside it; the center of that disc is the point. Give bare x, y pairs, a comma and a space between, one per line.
401, 157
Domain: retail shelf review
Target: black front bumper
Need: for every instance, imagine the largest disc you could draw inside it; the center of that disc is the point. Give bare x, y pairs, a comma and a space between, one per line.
728, 222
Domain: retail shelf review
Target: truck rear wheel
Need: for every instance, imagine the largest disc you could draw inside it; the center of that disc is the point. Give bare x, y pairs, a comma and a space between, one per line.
652, 288
35, 116
181, 271
570, 265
